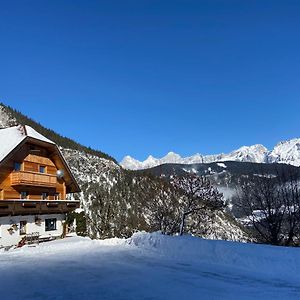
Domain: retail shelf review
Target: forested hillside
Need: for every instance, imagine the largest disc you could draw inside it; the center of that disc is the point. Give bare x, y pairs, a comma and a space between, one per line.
15, 117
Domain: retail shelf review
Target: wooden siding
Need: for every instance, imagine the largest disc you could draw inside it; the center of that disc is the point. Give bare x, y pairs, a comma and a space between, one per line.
30, 167
38, 159
28, 179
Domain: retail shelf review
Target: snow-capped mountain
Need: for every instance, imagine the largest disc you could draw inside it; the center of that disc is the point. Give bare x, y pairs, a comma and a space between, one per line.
255, 153
287, 152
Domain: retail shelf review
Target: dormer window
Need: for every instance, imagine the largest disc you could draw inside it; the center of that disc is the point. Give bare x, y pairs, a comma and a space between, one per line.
17, 166
42, 169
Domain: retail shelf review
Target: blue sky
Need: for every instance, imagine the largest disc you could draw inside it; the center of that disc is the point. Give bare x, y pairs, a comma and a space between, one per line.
147, 77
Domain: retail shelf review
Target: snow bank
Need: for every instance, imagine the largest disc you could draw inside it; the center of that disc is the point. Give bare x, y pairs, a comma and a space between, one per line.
74, 244
252, 258
265, 259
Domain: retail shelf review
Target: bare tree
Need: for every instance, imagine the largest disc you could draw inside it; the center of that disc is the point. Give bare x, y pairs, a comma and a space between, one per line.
163, 210
290, 195
198, 195
272, 205
260, 201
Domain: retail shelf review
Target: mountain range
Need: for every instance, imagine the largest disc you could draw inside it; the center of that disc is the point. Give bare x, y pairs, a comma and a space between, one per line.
287, 152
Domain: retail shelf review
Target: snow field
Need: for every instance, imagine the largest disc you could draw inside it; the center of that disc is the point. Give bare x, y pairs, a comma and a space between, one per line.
149, 266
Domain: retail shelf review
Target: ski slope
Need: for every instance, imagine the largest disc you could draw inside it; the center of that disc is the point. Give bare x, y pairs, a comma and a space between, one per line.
149, 266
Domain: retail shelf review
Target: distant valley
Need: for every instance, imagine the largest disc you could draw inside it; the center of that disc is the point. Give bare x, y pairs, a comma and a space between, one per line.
227, 176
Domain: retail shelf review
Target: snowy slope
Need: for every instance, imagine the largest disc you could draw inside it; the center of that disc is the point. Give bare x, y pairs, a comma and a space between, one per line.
149, 266
5, 119
287, 152
255, 153
94, 173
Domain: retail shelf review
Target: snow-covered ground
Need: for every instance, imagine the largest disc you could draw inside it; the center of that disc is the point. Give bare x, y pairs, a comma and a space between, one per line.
149, 266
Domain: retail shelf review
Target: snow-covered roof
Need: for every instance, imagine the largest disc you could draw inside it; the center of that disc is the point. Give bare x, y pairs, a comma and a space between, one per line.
11, 137
34, 134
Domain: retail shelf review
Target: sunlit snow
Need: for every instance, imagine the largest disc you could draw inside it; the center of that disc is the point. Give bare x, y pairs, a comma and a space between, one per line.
150, 266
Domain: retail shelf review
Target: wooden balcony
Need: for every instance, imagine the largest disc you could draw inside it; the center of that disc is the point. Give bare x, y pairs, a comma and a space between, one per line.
33, 179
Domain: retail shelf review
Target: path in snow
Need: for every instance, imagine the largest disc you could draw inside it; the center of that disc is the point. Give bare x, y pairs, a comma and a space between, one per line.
149, 266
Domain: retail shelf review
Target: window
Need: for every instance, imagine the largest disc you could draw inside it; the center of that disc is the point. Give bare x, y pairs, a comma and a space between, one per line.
50, 224
17, 166
56, 196
23, 195
44, 196
23, 227
42, 169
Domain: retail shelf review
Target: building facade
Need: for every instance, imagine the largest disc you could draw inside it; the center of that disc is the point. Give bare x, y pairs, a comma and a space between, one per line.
34, 182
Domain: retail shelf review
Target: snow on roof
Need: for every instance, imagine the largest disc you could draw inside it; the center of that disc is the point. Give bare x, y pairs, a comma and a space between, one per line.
34, 134
11, 137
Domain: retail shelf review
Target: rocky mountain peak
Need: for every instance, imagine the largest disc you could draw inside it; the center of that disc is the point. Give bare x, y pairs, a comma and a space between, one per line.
284, 152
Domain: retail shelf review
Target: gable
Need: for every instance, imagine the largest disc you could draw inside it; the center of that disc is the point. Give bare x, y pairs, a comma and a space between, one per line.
13, 139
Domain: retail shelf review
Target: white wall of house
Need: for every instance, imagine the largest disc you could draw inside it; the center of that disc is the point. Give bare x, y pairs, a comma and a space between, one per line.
12, 237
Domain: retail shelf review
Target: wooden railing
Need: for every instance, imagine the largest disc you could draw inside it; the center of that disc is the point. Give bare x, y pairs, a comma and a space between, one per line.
33, 179
36, 207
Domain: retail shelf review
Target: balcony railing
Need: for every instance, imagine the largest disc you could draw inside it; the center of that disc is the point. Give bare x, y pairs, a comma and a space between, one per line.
33, 179
35, 207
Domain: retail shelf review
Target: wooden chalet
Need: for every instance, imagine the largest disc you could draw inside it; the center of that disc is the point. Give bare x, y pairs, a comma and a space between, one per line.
34, 182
